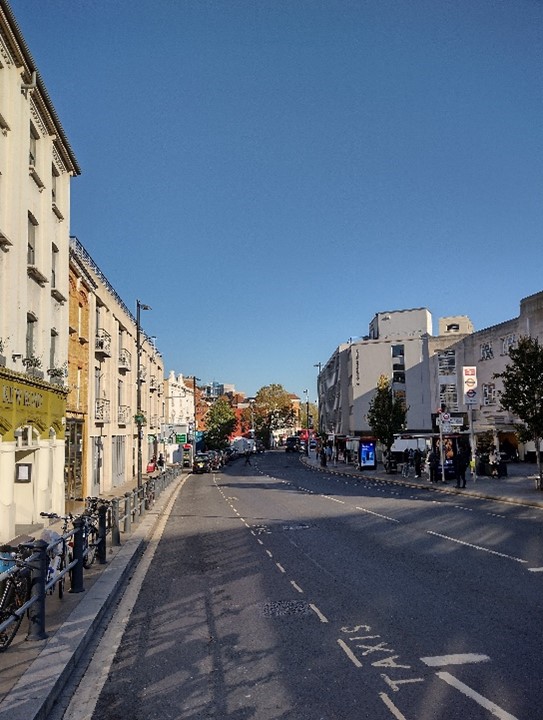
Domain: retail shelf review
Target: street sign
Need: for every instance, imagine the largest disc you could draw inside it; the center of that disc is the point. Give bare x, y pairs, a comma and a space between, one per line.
469, 377
181, 438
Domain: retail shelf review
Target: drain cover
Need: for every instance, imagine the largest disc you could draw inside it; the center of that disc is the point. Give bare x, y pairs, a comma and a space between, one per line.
286, 608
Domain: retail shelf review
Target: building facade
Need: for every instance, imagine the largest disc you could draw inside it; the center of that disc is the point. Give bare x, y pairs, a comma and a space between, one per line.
427, 372
36, 168
102, 452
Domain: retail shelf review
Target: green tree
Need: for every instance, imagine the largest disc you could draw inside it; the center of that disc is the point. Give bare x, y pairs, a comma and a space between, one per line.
387, 413
221, 421
272, 411
522, 393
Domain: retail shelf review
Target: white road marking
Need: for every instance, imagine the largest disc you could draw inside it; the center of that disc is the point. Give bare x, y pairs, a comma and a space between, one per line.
477, 547
390, 705
370, 512
296, 587
459, 659
318, 613
269, 553
473, 695
539, 569
281, 567
259, 541
333, 499
347, 650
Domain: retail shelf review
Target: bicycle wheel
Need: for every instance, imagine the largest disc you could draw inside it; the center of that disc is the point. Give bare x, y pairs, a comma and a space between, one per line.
14, 595
91, 545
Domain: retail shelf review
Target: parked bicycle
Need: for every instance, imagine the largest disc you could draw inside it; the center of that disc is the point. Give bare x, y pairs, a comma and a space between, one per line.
14, 591
59, 552
91, 531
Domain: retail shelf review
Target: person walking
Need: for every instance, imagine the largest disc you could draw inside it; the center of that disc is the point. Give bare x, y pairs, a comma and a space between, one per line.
247, 457
433, 465
461, 467
417, 461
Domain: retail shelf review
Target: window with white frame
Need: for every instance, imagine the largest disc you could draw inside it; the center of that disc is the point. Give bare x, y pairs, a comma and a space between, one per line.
31, 251
489, 394
446, 362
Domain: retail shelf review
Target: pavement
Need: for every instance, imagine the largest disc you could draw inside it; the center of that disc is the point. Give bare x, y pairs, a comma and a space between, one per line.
33, 673
517, 488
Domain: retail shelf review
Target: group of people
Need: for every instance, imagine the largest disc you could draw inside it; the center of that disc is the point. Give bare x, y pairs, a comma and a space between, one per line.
461, 463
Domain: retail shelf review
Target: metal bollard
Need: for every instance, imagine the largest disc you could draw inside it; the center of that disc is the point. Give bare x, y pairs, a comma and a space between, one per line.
36, 612
115, 532
77, 584
128, 512
101, 553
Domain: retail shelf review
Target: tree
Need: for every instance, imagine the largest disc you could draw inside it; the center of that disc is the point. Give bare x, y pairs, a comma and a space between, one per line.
522, 393
387, 413
221, 421
272, 411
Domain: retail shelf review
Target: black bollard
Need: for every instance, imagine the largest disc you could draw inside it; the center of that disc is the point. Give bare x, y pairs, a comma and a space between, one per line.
102, 531
77, 585
36, 612
115, 532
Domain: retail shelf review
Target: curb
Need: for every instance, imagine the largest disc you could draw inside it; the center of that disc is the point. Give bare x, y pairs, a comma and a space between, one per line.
430, 488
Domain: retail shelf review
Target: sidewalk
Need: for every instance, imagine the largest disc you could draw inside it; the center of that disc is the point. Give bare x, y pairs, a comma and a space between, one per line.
33, 673
518, 487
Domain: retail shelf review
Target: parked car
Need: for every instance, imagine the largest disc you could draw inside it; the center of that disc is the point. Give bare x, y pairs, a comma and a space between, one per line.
201, 463
292, 444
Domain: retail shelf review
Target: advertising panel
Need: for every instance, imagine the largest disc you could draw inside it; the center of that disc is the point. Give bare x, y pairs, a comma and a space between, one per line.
367, 458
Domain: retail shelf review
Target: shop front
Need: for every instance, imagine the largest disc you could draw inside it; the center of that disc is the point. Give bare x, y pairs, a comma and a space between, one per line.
32, 431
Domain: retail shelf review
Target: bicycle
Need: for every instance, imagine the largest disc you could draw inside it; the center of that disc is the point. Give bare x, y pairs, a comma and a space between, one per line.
14, 591
91, 533
59, 559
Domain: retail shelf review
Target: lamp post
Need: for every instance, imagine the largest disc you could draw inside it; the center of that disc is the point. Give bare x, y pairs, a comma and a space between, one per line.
139, 414
194, 380
307, 421
319, 368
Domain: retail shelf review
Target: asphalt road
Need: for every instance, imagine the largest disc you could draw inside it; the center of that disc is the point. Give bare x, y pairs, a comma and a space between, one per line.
274, 592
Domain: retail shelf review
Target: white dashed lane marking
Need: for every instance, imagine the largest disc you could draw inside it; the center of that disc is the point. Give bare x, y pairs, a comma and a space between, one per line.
459, 659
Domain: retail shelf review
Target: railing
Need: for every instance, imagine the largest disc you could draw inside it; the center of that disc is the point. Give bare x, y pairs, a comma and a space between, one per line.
102, 342
123, 414
101, 410
121, 511
125, 359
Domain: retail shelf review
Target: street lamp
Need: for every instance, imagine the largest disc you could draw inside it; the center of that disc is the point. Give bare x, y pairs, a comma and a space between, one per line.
319, 368
139, 414
307, 420
194, 381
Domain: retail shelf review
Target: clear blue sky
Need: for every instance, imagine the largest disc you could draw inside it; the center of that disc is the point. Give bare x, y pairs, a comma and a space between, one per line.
269, 174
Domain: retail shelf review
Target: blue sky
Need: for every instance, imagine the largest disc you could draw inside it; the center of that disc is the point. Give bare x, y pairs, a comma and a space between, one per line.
269, 174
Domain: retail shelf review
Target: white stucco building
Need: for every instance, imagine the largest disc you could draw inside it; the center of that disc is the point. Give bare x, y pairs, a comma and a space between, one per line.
36, 168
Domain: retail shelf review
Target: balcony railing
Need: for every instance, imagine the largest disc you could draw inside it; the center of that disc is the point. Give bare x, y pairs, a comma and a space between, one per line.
125, 360
102, 343
101, 414
153, 385
123, 414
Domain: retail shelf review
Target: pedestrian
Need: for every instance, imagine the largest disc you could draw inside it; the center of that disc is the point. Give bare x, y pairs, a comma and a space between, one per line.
323, 457
493, 461
247, 457
417, 461
160, 463
461, 466
405, 466
329, 453
433, 465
